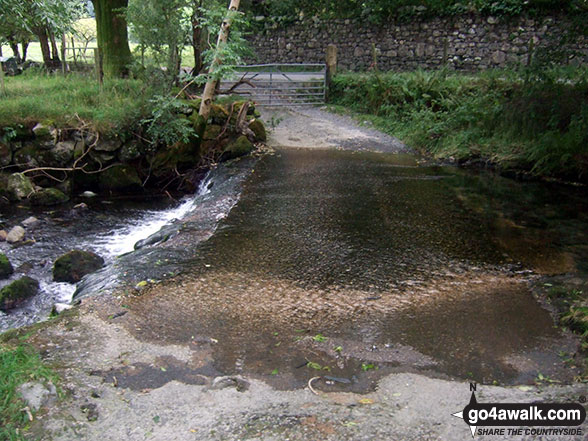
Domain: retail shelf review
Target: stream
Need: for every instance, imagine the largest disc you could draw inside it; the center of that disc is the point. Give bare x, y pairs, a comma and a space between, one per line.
352, 263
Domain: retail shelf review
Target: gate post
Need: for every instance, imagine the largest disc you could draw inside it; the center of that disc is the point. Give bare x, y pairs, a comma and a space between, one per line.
331, 67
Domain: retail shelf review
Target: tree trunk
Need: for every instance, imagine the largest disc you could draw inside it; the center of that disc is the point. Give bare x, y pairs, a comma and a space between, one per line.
54, 51
113, 40
25, 48
45, 49
197, 37
211, 84
14, 47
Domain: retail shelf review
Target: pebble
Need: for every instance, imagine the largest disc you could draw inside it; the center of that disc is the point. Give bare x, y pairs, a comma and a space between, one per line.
30, 221
3, 235
15, 235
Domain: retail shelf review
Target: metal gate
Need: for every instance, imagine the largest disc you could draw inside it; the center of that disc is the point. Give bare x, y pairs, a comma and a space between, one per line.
279, 84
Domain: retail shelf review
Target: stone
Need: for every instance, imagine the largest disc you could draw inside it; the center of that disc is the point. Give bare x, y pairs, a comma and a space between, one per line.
6, 268
238, 383
3, 234
119, 178
108, 145
37, 395
19, 186
130, 151
45, 134
498, 57
241, 146
13, 295
5, 154
492, 20
16, 234
258, 128
48, 197
88, 194
63, 153
74, 265
212, 131
30, 221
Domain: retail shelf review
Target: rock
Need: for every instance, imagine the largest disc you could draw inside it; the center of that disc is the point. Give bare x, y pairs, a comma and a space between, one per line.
108, 145
81, 206
258, 128
130, 151
5, 154
241, 146
3, 235
11, 296
58, 308
89, 194
15, 235
119, 178
226, 382
91, 411
72, 266
30, 221
19, 186
45, 135
6, 268
48, 196
212, 131
63, 153
492, 20
37, 395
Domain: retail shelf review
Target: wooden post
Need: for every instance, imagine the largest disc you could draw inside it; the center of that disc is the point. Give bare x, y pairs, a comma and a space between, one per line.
63, 51
98, 66
331, 68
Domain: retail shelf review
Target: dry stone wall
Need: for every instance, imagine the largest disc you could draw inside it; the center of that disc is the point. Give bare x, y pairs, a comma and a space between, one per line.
463, 43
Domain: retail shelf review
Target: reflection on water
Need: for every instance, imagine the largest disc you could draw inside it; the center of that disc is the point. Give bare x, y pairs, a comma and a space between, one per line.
403, 266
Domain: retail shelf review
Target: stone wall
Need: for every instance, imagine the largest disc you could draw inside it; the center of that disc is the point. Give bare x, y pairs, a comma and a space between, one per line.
464, 43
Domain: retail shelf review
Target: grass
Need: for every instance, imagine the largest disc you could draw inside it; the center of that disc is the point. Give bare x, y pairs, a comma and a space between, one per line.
507, 117
18, 365
63, 101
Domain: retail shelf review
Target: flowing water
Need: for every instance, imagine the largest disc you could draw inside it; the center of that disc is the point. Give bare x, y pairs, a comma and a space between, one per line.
341, 264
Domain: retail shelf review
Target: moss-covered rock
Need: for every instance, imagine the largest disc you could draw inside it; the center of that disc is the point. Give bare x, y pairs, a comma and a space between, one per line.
45, 134
13, 295
218, 114
240, 147
19, 187
72, 266
5, 267
62, 154
47, 197
130, 151
30, 155
119, 178
212, 131
258, 128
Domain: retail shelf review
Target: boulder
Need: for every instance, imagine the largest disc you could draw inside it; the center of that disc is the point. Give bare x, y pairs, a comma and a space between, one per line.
130, 151
13, 295
15, 235
119, 178
72, 266
6, 269
19, 186
258, 128
241, 146
47, 197
108, 145
63, 153
45, 135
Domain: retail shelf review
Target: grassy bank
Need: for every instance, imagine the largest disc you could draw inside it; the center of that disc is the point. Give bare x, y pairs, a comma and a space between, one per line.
34, 97
18, 365
516, 120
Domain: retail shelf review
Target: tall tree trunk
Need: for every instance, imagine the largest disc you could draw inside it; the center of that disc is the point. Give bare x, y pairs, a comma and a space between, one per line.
45, 49
197, 37
14, 47
25, 48
113, 40
211, 84
54, 51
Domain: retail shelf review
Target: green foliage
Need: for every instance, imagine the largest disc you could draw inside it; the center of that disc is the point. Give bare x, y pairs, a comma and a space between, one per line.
535, 122
17, 366
167, 124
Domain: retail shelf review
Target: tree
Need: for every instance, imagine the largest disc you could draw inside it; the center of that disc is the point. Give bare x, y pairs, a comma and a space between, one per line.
217, 60
112, 36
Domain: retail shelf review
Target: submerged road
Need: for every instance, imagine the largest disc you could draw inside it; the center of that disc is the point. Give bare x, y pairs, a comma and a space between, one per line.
345, 259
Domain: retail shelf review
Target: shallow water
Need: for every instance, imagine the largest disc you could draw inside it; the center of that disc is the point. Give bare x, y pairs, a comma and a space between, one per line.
404, 267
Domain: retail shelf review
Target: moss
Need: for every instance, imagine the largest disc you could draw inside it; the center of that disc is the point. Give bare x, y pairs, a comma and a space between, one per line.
19, 186
120, 178
240, 147
17, 292
577, 320
212, 131
72, 266
48, 196
5, 267
259, 129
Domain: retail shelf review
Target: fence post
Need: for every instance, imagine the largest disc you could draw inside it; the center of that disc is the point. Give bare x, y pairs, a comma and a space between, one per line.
98, 66
331, 68
63, 52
